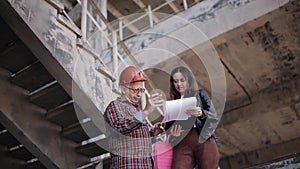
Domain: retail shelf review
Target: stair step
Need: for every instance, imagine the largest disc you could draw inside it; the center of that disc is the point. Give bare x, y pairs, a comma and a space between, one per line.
77, 133
93, 149
8, 140
50, 97
66, 115
106, 164
1, 127
33, 77
7, 35
35, 165
21, 153
16, 56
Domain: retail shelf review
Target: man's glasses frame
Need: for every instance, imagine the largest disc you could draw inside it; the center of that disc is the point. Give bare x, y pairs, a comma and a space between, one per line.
141, 90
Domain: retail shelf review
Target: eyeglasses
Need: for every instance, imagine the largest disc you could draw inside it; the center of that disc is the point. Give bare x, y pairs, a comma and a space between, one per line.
141, 90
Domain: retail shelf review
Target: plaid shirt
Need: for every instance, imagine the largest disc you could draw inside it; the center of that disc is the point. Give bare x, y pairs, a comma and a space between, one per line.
129, 139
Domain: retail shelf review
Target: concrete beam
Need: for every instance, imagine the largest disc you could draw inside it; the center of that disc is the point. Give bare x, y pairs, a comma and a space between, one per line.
262, 156
143, 6
119, 15
173, 6
245, 135
27, 124
271, 119
275, 97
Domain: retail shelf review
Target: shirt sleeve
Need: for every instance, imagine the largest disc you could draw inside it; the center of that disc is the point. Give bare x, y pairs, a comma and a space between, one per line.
117, 118
140, 117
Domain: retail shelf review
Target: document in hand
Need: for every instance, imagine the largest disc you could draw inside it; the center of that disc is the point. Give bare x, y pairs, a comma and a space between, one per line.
175, 109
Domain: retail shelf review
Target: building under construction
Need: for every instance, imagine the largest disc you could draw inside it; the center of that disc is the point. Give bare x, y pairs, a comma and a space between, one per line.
60, 61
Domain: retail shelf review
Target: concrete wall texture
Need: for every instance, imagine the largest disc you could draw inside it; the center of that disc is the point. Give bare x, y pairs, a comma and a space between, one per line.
292, 163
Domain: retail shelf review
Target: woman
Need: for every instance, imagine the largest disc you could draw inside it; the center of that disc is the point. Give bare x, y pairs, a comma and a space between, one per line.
193, 139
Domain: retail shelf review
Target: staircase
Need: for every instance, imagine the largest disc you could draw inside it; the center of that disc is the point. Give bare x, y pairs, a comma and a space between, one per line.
42, 125
22, 70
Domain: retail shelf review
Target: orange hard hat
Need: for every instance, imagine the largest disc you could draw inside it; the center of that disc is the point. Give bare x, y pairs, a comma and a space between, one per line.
131, 74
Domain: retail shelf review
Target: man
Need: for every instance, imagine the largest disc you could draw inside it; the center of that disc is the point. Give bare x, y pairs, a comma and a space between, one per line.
129, 133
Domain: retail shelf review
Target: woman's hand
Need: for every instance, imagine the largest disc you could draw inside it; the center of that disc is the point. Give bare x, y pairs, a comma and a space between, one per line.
195, 111
175, 130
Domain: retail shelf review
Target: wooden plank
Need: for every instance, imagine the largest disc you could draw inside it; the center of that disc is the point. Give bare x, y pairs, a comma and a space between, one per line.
33, 77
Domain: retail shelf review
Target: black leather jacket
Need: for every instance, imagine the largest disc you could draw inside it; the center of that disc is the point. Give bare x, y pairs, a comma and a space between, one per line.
206, 124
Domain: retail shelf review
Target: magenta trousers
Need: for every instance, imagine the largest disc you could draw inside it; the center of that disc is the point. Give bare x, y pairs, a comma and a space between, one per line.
189, 153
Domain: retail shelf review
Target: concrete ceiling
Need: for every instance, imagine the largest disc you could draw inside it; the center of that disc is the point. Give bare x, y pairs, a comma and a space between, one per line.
262, 65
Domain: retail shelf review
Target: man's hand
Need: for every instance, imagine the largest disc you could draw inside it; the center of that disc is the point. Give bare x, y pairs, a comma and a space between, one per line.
157, 129
154, 101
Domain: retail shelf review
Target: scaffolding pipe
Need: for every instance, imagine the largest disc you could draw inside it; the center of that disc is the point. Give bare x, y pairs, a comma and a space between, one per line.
150, 16
84, 20
185, 5
115, 54
99, 27
121, 30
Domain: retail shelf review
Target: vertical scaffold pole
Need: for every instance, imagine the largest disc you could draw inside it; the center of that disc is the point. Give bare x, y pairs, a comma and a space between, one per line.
83, 19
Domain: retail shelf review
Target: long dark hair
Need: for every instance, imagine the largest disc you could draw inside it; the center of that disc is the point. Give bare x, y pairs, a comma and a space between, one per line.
191, 91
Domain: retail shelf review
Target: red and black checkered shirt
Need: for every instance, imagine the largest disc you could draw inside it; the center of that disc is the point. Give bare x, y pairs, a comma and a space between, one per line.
129, 139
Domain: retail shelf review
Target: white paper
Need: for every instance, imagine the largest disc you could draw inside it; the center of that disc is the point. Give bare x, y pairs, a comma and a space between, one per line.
175, 109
